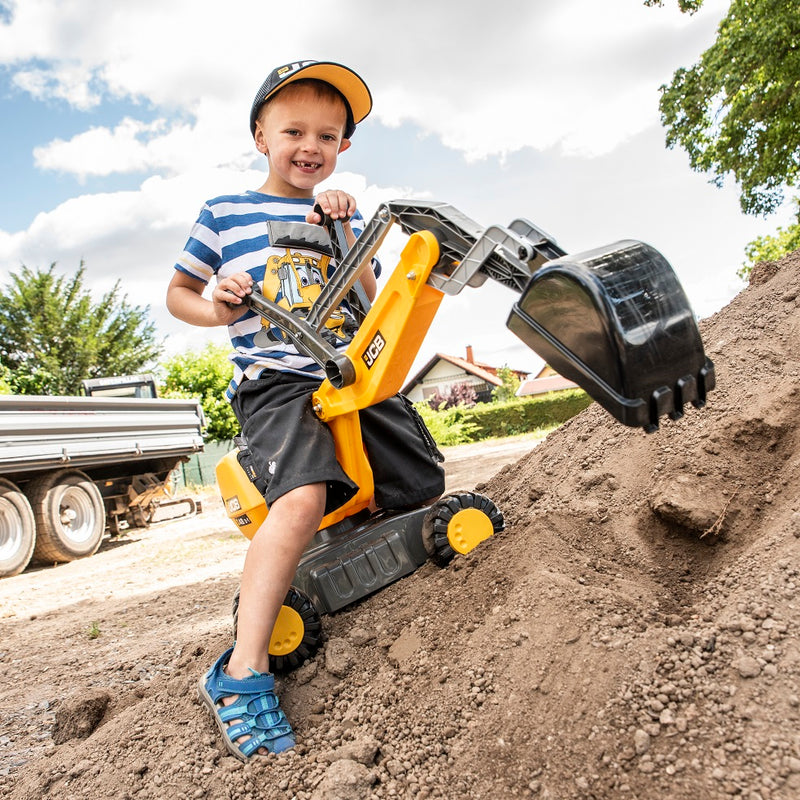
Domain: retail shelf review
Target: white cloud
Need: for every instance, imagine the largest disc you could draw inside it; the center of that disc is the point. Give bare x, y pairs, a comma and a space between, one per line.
69, 83
485, 79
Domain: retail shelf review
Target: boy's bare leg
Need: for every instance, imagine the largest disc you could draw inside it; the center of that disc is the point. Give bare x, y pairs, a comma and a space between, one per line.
269, 567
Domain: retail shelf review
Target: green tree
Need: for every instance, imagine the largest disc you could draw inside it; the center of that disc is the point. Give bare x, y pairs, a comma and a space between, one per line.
771, 248
205, 375
5, 380
52, 336
737, 110
508, 388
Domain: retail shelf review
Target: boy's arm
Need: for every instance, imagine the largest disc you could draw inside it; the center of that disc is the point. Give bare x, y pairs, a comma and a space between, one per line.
186, 302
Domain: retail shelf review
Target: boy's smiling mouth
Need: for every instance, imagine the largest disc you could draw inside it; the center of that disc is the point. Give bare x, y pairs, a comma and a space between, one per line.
306, 165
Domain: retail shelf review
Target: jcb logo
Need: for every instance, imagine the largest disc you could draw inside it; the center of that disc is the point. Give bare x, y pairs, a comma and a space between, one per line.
370, 355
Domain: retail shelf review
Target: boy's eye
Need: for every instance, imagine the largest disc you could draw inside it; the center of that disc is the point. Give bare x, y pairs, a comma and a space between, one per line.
328, 137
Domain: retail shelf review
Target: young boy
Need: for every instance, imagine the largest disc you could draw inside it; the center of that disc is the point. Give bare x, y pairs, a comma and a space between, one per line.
302, 118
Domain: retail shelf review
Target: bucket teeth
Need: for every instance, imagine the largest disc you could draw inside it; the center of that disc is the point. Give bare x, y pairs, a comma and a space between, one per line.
617, 322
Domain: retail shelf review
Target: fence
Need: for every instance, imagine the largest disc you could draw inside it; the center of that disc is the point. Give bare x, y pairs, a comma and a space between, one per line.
199, 469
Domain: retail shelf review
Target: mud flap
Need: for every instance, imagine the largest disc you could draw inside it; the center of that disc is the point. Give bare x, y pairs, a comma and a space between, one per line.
617, 322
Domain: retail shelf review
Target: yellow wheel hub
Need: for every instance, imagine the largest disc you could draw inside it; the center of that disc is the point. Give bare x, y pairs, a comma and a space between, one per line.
467, 529
287, 633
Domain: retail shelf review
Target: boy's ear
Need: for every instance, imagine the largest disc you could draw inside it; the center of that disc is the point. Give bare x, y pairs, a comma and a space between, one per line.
261, 140
344, 145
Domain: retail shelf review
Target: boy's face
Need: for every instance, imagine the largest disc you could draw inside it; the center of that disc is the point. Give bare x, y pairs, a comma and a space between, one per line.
301, 135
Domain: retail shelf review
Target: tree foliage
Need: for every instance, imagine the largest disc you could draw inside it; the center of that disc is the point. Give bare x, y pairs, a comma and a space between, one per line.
508, 388
447, 425
737, 110
52, 336
5, 380
771, 248
689, 6
204, 375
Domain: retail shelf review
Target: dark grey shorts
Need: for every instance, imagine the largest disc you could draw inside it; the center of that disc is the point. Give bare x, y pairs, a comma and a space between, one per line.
291, 447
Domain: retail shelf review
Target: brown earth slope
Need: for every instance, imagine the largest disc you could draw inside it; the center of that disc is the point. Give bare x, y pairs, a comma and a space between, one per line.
632, 634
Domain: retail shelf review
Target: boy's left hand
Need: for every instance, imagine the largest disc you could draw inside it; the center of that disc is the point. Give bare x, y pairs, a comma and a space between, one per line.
335, 203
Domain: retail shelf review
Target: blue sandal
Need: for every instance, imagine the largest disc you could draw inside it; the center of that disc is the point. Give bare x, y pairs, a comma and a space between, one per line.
257, 709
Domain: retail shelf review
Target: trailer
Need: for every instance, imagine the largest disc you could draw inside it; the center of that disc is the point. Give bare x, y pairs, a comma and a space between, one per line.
74, 468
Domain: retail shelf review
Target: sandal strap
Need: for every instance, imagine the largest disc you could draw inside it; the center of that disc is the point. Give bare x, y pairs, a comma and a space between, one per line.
256, 709
219, 684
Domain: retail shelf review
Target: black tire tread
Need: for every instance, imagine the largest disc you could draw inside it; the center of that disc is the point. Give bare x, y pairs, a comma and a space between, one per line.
15, 565
50, 548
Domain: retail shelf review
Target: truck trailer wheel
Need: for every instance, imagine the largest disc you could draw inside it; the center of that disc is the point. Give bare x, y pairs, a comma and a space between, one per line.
70, 516
458, 523
17, 530
297, 634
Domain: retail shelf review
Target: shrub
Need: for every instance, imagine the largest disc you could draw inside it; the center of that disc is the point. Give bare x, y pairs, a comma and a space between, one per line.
460, 425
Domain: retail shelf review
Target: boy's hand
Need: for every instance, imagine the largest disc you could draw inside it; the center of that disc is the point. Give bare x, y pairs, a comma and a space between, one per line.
335, 203
228, 296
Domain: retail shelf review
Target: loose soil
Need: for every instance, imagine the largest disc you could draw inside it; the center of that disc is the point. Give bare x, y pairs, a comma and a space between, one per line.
633, 633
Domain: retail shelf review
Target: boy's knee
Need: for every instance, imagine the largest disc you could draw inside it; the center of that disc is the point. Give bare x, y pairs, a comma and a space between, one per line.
303, 500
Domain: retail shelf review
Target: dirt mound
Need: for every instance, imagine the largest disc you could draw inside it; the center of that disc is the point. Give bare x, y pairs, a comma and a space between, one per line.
633, 632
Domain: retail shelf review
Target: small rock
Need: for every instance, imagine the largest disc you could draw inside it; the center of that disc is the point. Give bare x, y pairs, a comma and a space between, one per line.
667, 717
339, 657
362, 751
404, 648
394, 767
641, 742
306, 673
748, 667
360, 636
80, 768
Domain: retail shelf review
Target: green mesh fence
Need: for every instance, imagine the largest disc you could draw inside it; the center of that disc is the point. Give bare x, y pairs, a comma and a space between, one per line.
199, 469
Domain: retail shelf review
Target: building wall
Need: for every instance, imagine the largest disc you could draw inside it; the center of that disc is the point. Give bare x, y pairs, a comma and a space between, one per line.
441, 377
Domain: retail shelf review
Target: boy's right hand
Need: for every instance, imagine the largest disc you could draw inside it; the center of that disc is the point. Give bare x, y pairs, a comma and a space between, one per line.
228, 297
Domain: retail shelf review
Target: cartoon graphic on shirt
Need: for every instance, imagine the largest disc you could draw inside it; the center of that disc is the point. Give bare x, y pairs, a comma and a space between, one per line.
294, 280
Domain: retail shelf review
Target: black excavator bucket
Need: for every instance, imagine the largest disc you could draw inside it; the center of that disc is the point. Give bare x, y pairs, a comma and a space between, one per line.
617, 322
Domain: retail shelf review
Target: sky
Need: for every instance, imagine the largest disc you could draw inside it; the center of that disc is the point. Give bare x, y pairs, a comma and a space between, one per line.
120, 119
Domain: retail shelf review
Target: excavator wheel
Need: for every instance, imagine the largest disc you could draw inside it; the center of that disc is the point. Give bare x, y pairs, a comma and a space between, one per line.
297, 634
458, 523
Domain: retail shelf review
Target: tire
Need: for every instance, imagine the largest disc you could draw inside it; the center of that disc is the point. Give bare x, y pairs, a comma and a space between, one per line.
297, 634
17, 530
458, 523
70, 516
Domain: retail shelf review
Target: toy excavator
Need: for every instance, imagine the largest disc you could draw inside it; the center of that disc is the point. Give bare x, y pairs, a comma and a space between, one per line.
614, 320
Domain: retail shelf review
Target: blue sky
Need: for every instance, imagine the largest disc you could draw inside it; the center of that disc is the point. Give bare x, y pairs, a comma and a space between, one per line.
119, 120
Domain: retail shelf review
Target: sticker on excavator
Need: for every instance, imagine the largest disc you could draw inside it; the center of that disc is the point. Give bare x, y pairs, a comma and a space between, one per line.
374, 349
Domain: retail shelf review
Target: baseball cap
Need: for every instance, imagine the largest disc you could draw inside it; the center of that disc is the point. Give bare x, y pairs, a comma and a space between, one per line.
351, 86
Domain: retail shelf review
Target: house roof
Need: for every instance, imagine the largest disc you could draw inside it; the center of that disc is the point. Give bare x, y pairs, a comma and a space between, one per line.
479, 370
552, 383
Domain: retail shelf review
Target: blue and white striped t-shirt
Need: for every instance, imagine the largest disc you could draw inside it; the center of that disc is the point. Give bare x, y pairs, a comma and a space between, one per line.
232, 235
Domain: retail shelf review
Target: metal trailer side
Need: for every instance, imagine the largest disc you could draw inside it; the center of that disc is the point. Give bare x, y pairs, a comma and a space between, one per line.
69, 466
